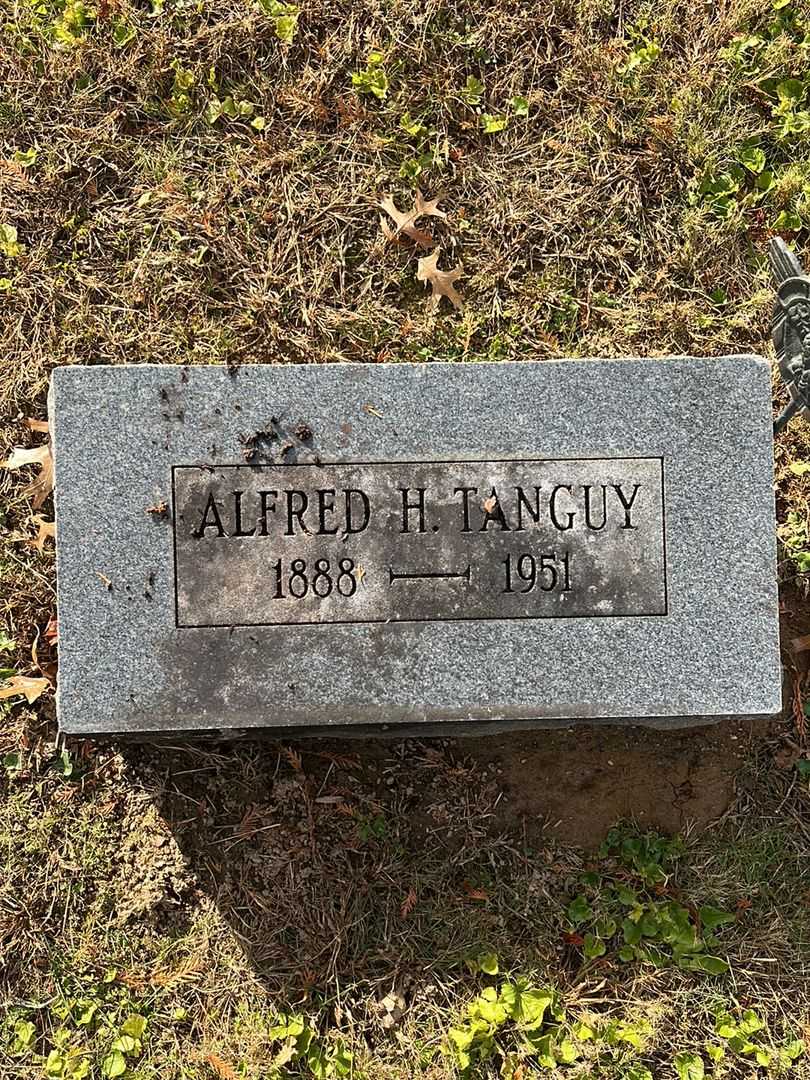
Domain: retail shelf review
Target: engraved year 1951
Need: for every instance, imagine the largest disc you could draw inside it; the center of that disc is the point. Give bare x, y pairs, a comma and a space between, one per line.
545, 572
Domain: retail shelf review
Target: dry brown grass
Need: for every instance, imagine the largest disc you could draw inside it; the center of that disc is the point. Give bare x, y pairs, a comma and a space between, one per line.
235, 882
152, 237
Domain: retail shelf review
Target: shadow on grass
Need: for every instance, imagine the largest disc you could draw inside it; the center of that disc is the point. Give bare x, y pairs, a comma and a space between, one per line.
339, 865
336, 867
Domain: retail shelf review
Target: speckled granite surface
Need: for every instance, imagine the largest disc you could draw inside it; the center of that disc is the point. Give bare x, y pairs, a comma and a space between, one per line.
702, 641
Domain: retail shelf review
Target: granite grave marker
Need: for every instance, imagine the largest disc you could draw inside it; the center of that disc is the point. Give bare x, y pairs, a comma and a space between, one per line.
359, 548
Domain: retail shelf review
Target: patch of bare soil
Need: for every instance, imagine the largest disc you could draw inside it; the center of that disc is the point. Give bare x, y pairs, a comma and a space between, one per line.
577, 783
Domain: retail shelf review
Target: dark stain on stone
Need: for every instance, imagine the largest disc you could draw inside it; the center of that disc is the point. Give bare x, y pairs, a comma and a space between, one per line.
275, 443
170, 408
258, 446
149, 587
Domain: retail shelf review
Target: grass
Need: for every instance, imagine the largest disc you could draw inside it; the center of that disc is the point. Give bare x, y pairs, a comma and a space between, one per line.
198, 182
156, 885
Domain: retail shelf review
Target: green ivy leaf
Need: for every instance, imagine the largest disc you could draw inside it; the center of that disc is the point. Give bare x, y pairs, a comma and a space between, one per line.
791, 91
787, 221
579, 911
12, 762
54, 1064
488, 963
88, 1010
488, 1007
582, 1031
711, 917
26, 158
373, 80
689, 1066
566, 1052
9, 245
750, 1023
742, 1046
711, 965
473, 90
122, 33
725, 1026
794, 1049
593, 947
605, 928
285, 28
543, 1050
634, 1035
288, 1027
631, 931
461, 1038
525, 1005
63, 764
753, 158
493, 124
24, 1037
126, 1044
650, 925
114, 1064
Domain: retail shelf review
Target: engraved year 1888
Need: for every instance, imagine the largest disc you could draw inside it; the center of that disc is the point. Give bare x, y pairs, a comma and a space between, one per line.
295, 578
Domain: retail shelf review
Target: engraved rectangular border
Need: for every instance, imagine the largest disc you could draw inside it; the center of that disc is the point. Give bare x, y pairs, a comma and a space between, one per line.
421, 461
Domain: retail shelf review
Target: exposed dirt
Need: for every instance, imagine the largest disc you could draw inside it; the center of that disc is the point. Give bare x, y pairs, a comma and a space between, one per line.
578, 782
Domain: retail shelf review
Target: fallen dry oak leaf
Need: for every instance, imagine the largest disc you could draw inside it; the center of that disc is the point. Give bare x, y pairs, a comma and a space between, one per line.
221, 1068
408, 904
405, 221
45, 529
23, 684
41, 487
442, 282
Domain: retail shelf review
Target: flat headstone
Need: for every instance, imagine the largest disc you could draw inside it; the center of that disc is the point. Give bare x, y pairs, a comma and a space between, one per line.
414, 547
